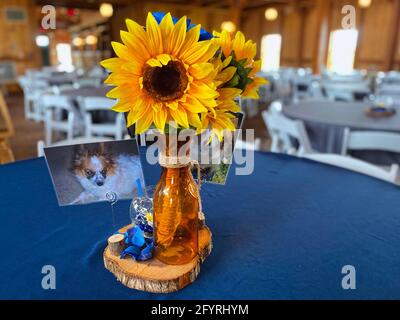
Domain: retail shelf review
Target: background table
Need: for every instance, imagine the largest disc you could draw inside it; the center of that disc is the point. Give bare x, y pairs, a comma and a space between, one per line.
325, 122
284, 232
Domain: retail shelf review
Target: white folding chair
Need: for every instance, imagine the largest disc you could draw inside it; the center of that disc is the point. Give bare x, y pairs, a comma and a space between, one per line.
32, 90
114, 129
370, 140
78, 140
56, 107
283, 130
345, 91
248, 145
356, 165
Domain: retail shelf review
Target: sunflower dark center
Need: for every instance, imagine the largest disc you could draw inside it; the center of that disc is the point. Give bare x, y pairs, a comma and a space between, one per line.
166, 83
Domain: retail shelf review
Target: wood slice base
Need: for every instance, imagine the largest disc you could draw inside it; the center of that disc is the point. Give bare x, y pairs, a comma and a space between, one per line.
155, 276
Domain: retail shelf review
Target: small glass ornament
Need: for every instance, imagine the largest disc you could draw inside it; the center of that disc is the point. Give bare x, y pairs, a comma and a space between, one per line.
141, 210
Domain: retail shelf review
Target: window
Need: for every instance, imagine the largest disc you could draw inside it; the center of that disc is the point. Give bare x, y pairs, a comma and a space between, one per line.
342, 50
64, 57
271, 51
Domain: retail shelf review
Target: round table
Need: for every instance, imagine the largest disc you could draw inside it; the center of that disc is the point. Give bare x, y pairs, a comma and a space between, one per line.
326, 120
284, 232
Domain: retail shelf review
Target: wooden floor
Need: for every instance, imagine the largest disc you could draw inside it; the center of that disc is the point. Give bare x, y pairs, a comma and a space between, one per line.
28, 132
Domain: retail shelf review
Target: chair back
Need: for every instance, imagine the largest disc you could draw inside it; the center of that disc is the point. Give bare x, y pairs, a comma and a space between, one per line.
55, 101
55, 108
97, 103
346, 91
283, 130
115, 129
358, 166
370, 140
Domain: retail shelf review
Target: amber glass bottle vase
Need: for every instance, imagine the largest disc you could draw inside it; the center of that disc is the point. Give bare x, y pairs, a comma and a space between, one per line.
176, 206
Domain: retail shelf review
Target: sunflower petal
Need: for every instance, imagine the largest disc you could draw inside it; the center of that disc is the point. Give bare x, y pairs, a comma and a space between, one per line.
194, 120
180, 116
173, 105
166, 26
226, 62
202, 91
193, 54
225, 43
164, 58
138, 110
153, 62
122, 106
177, 38
135, 46
112, 64
144, 123
238, 42
122, 51
160, 119
228, 93
226, 74
120, 92
132, 67
209, 53
192, 37
154, 35
120, 78
193, 105
201, 70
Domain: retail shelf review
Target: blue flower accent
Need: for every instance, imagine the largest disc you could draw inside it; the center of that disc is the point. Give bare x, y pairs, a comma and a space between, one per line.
204, 35
139, 247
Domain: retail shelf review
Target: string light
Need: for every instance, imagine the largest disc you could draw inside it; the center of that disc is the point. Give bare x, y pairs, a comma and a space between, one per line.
77, 41
228, 26
271, 14
106, 10
91, 39
364, 3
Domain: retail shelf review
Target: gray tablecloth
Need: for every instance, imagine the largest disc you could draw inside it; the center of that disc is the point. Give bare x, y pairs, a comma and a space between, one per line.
325, 122
87, 92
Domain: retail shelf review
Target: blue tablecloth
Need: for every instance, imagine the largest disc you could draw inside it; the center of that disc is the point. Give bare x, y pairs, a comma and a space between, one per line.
284, 232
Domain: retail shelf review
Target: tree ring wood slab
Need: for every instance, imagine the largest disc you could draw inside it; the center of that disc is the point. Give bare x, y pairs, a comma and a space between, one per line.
155, 276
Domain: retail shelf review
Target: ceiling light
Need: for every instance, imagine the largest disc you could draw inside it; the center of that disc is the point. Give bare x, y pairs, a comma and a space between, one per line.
364, 3
228, 26
91, 39
77, 41
42, 41
106, 10
271, 14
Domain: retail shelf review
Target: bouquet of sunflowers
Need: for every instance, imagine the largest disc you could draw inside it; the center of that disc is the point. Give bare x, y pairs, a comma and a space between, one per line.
172, 71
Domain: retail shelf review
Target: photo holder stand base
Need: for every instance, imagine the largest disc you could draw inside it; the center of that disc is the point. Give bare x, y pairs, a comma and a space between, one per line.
153, 275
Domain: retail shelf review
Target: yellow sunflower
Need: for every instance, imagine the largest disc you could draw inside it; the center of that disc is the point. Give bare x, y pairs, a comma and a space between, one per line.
162, 73
242, 50
220, 117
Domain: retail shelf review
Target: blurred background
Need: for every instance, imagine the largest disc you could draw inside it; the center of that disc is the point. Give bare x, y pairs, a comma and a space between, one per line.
331, 68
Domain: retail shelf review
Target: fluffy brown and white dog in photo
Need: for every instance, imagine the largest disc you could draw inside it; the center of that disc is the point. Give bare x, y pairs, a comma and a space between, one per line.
100, 172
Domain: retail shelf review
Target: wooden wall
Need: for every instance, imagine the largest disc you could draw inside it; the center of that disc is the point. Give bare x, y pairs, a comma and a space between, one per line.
17, 39
305, 43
